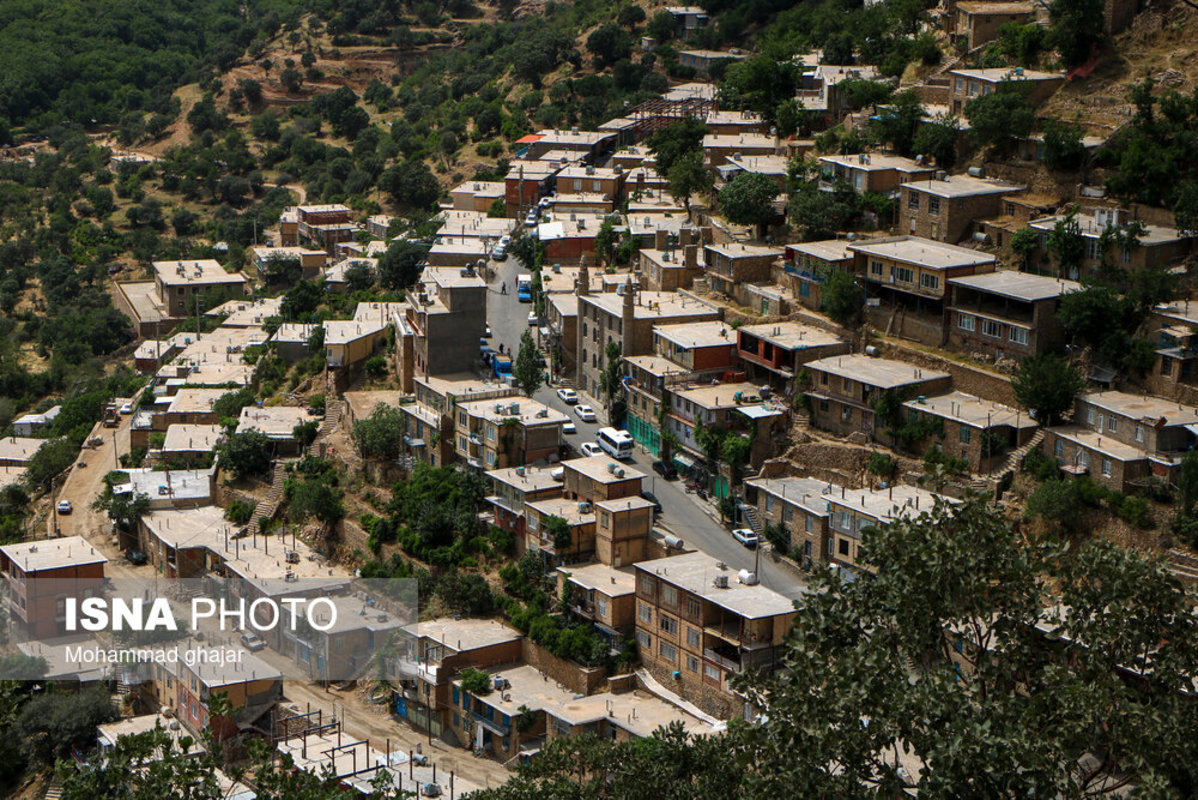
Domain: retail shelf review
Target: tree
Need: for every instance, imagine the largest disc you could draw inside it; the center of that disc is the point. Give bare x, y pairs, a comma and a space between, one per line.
689, 175
661, 27
841, 297
1063, 148
246, 453
676, 140
605, 241
939, 140
610, 379
748, 199
1187, 482
380, 435
609, 43
1047, 385
51, 725
1185, 207
1024, 243
411, 186
359, 276
1066, 243
229, 404
897, 122
526, 369
48, 462
1077, 28
401, 265
282, 270
292, 79
305, 432
630, 16
761, 83
560, 533
1000, 116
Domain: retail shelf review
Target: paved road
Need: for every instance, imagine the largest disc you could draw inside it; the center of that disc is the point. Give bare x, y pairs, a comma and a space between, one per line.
694, 520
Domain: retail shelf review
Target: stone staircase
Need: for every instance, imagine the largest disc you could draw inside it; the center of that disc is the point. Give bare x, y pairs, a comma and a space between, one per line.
1014, 461
754, 519
53, 791
267, 507
332, 418
1184, 566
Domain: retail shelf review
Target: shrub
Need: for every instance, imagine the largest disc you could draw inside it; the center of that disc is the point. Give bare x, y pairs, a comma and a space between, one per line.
476, 682
239, 512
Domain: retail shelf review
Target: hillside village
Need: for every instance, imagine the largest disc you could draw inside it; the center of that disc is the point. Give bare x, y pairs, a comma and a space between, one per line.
624, 396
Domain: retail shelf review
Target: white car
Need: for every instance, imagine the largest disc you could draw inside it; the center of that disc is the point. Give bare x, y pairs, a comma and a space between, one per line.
567, 396
585, 413
545, 202
533, 219
533, 319
487, 332
127, 408
745, 537
499, 253
64, 507
569, 427
505, 240
591, 449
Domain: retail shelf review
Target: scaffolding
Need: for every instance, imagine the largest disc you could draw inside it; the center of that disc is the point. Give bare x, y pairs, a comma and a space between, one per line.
653, 115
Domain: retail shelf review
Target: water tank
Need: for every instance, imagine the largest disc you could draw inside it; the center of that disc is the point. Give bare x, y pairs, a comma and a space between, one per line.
673, 542
747, 576
977, 172
870, 350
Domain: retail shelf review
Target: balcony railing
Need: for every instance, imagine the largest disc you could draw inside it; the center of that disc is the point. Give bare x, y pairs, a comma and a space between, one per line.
723, 661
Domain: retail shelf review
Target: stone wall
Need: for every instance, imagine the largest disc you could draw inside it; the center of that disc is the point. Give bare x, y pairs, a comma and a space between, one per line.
576, 678
966, 378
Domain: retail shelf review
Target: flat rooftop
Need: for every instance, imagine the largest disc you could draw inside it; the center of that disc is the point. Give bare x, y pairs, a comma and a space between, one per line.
1017, 285
19, 448
452, 278
525, 410
195, 273
972, 411
461, 635
344, 331
655, 365
637, 712
1143, 407
1102, 443
756, 141
277, 422
193, 401
596, 468
888, 504
963, 186
294, 332
45, 554
109, 733
464, 384
873, 162
533, 479
999, 74
561, 507
567, 138
809, 493
192, 438
741, 250
1152, 235
247, 313
352, 613
696, 573
1179, 310
143, 297
690, 335
177, 484
880, 372
623, 504
995, 8
826, 250
925, 253
792, 335
721, 395
652, 305
602, 578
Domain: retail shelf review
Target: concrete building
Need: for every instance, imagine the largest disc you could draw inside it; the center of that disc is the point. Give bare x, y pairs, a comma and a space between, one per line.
446, 316
1175, 325
1007, 314
981, 432
570, 237
731, 122
38, 575
946, 209
493, 434
526, 182
603, 595
575, 545
30, 424
719, 148
598, 478
776, 352
702, 347
278, 423
975, 24
15, 451
588, 146
191, 444
178, 288
688, 20
512, 487
311, 262
644, 389
908, 277
477, 195
731, 264
845, 390
670, 270
853, 511
871, 172
799, 506
807, 266
698, 625
1154, 246
622, 530
628, 320
1035, 86
701, 61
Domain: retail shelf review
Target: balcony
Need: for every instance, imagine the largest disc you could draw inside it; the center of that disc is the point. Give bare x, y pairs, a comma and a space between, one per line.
491, 725
728, 631
723, 659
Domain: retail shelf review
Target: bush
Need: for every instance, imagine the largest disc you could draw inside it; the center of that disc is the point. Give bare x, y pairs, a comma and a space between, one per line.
1041, 466
239, 512
476, 682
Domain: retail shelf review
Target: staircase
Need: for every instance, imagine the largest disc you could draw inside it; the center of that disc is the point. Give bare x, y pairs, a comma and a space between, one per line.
1015, 460
1184, 566
332, 418
753, 518
267, 507
53, 791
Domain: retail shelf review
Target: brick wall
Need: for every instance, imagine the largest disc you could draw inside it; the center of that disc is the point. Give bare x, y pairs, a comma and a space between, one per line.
966, 378
576, 678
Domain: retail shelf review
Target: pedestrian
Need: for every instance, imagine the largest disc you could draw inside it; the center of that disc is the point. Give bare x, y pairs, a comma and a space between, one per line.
503, 288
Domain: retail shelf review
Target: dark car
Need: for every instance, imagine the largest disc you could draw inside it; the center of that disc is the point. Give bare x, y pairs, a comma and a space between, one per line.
652, 498
136, 557
665, 470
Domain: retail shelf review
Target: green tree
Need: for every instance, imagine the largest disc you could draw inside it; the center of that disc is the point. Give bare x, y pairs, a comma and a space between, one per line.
1187, 481
560, 533
841, 297
610, 381
1076, 29
292, 79
678, 139
411, 186
605, 241
1047, 385
761, 83
50, 460
359, 277
689, 175
380, 435
526, 369
1000, 116
1024, 244
1063, 148
400, 266
246, 453
748, 199
52, 724
630, 16
1066, 243
898, 121
939, 140
609, 43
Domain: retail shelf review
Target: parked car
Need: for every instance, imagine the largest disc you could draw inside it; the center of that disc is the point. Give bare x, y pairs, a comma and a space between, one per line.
533, 219
665, 470
585, 413
136, 557
65, 507
745, 537
591, 449
569, 427
127, 408
652, 498
533, 319
568, 396
545, 202
252, 642
487, 331
499, 253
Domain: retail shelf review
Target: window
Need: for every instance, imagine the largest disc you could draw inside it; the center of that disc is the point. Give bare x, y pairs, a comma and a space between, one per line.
692, 607
1090, 416
991, 328
960, 83
807, 548
1017, 335
912, 201
875, 268
966, 322
692, 664
1058, 448
1112, 423
843, 547
601, 606
808, 523
904, 274
966, 433
823, 404
645, 613
711, 672
1139, 432
646, 584
644, 641
769, 504
1106, 467
668, 651
669, 595
692, 638
928, 281
933, 205
668, 624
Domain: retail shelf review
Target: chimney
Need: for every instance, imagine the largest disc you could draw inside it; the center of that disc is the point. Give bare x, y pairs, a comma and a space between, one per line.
691, 254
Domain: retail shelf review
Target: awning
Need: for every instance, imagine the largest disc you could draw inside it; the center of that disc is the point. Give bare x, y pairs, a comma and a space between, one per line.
759, 412
685, 461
